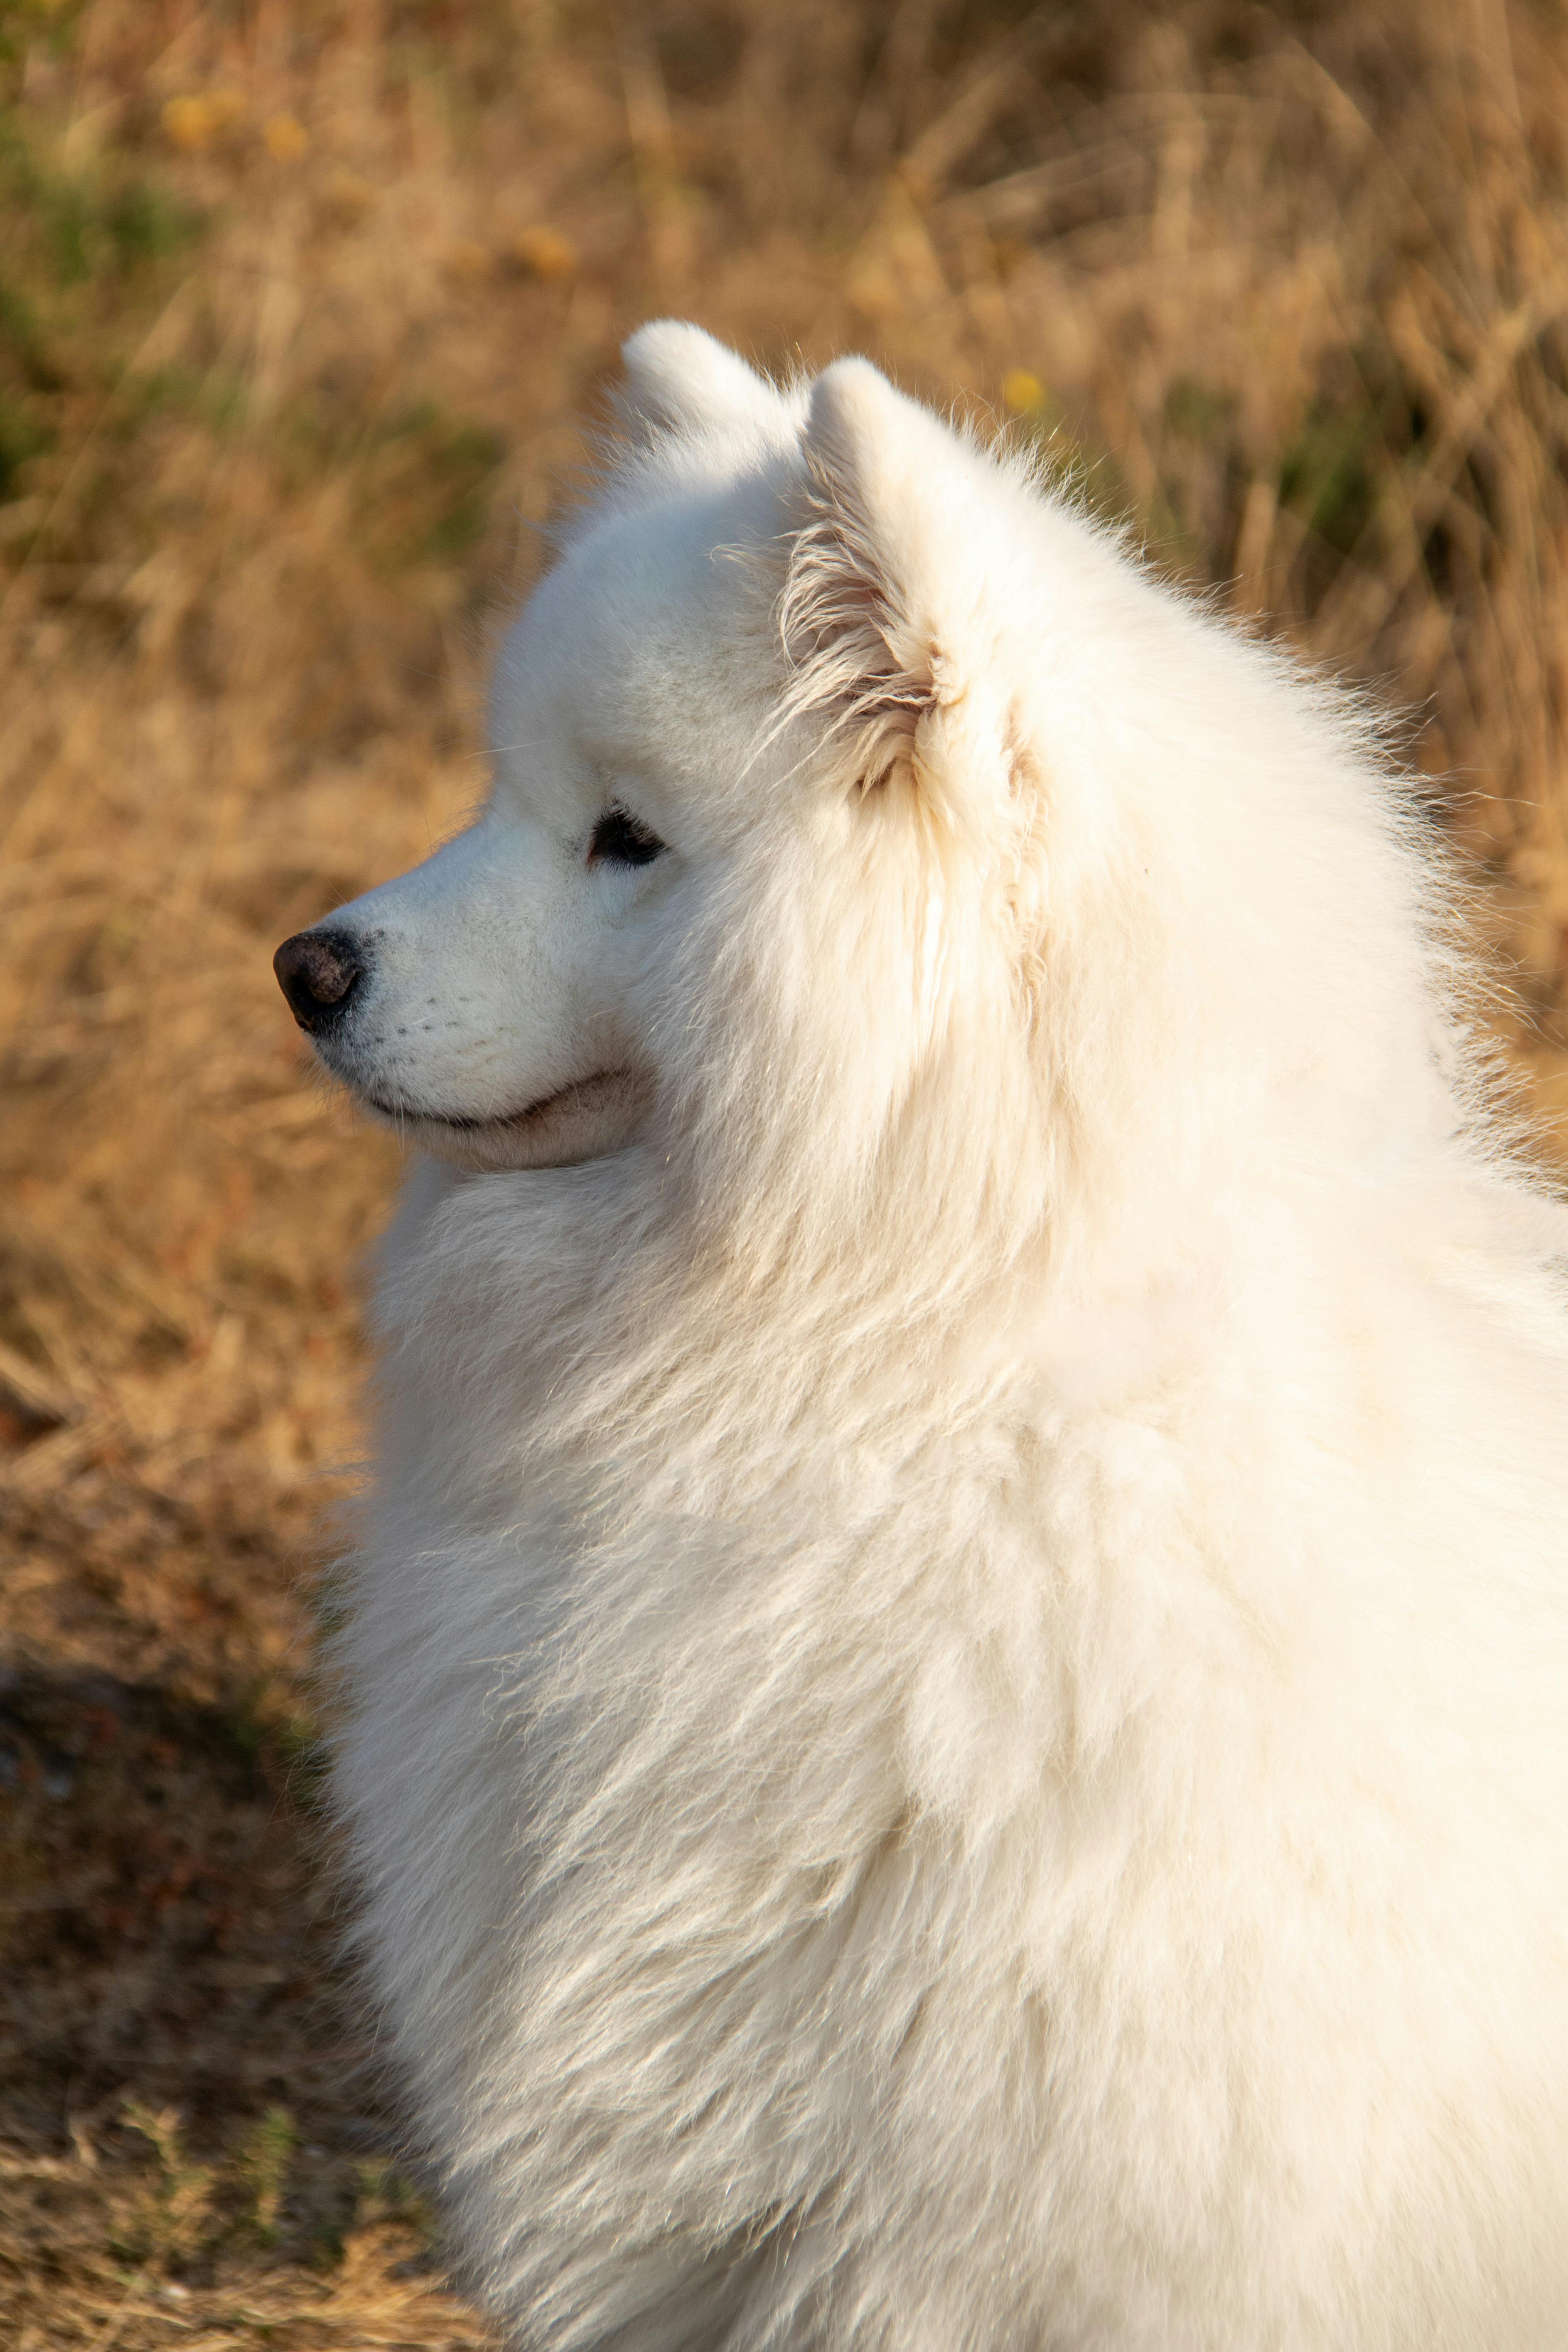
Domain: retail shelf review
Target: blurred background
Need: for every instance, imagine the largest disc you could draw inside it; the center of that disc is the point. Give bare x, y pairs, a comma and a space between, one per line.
304, 307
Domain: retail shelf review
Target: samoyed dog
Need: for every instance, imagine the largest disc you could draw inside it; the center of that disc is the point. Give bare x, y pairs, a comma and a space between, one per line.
957, 1681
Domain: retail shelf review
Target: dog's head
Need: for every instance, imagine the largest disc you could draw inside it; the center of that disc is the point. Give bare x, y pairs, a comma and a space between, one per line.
495, 1002
855, 808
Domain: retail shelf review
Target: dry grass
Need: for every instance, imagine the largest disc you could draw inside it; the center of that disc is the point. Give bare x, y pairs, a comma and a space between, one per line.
299, 304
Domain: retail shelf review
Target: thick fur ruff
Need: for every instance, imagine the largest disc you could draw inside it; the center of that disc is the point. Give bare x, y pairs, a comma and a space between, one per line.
956, 1688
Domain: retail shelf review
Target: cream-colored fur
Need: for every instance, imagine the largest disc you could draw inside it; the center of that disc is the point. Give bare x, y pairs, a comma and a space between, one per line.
958, 1679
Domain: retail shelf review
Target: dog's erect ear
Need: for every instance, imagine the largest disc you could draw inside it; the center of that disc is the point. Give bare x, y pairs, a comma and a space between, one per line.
884, 610
678, 380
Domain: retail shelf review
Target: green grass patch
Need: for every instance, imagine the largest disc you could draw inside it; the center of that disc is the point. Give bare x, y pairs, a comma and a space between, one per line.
79, 244
1326, 474
263, 2165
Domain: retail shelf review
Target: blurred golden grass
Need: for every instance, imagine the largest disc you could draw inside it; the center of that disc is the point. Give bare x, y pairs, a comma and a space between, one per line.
300, 308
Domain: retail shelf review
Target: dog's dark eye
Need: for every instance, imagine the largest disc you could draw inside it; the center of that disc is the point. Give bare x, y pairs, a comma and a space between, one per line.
621, 839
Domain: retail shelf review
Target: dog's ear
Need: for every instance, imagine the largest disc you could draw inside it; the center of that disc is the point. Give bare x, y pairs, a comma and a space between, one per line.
678, 380
884, 613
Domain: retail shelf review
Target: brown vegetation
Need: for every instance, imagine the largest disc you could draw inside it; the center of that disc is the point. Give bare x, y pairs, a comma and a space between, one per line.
301, 304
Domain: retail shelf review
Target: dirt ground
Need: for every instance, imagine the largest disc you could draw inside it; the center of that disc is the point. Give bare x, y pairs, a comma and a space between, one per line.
304, 307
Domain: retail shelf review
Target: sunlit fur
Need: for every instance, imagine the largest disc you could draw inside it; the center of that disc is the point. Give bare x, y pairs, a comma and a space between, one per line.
957, 1682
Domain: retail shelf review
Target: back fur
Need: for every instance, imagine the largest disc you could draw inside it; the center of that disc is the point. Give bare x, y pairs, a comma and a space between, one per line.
957, 1674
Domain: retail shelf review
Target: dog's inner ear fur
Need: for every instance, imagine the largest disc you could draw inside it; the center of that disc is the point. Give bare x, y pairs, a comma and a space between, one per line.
860, 650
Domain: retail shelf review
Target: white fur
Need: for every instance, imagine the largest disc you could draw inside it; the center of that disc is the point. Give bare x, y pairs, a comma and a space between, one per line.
958, 1680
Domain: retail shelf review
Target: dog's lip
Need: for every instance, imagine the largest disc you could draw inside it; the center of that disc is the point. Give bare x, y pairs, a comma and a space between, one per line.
528, 1115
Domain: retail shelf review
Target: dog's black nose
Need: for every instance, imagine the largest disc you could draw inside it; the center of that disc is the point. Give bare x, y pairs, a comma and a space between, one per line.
318, 972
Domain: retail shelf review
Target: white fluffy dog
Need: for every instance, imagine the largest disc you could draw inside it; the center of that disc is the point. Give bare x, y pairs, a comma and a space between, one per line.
958, 1684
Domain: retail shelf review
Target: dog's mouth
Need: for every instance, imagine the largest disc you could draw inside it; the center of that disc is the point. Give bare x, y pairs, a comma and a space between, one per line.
584, 1120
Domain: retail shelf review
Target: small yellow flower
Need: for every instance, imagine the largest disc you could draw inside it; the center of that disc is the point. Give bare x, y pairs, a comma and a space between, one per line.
286, 138
545, 253
1022, 391
187, 123
201, 118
